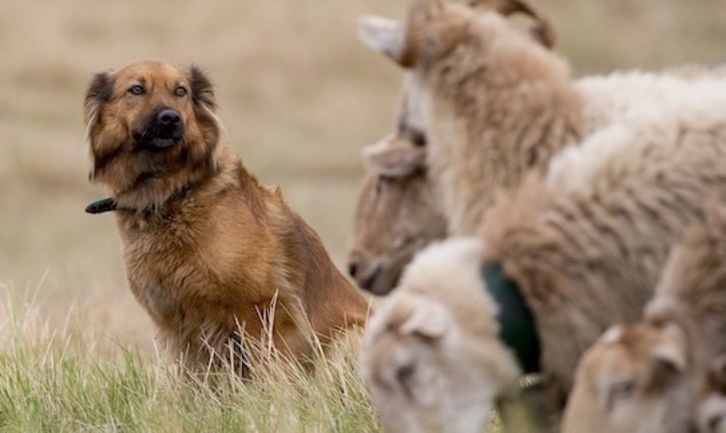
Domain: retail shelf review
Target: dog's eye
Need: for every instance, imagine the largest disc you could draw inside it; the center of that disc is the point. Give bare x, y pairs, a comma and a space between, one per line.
181, 91
136, 89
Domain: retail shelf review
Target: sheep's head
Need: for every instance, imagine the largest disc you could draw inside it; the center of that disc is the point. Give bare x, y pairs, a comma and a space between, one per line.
396, 216
433, 28
398, 211
633, 379
431, 353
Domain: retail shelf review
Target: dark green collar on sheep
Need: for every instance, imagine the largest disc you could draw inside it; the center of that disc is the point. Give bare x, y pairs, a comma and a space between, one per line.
516, 325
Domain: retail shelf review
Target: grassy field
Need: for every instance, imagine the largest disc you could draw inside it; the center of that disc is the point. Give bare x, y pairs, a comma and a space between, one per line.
300, 98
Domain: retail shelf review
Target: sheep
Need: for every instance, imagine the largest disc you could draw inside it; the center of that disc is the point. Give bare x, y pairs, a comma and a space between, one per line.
494, 104
416, 353
585, 244
625, 380
633, 379
398, 212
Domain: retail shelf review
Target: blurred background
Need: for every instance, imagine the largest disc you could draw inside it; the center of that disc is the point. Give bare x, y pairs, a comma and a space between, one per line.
299, 97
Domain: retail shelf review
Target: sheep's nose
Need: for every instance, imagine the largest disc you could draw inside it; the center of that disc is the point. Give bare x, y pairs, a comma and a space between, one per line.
353, 269
168, 117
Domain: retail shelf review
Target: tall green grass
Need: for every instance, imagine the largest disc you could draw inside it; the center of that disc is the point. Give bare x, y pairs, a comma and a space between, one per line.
46, 387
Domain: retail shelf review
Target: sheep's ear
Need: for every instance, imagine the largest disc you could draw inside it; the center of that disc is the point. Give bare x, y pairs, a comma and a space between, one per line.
668, 357
383, 36
201, 89
430, 321
394, 158
672, 349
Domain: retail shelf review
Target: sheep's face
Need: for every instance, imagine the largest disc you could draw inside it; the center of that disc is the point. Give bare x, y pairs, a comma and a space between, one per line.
632, 380
422, 377
398, 211
397, 215
711, 411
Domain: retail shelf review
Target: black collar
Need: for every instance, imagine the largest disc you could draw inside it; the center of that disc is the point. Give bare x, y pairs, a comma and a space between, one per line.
100, 206
109, 204
517, 327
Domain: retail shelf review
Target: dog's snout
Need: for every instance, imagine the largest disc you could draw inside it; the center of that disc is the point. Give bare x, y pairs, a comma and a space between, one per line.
168, 117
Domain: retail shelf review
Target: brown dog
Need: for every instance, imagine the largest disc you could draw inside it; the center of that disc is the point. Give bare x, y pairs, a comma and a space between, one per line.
208, 250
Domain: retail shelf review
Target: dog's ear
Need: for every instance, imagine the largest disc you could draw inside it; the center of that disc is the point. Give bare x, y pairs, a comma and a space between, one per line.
202, 92
100, 90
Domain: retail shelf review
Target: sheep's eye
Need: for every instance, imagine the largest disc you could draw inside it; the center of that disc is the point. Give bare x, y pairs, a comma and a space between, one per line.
136, 89
620, 391
418, 139
181, 91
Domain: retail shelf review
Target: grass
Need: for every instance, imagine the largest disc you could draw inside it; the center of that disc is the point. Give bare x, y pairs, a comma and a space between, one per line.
45, 385
300, 97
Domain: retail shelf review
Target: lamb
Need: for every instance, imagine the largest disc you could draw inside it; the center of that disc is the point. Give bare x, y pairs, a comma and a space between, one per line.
494, 104
634, 378
585, 244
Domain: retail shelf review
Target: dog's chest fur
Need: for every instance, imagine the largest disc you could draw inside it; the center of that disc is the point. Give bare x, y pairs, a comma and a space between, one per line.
180, 269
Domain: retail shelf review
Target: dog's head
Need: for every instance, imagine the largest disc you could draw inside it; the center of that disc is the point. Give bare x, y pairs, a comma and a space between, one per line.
152, 131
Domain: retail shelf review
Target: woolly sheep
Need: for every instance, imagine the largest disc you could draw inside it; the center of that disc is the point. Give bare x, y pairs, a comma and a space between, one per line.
428, 342
647, 377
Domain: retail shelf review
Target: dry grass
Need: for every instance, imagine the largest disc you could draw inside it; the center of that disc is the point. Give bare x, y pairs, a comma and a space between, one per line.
299, 98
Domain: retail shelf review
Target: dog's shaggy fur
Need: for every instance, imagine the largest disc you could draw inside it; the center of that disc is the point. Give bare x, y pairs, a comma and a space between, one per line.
211, 254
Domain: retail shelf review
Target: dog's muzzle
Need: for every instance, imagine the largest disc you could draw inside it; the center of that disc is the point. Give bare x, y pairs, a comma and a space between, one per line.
163, 130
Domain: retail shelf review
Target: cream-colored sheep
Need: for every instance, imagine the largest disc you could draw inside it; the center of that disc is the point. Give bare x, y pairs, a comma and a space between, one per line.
647, 377
495, 104
430, 354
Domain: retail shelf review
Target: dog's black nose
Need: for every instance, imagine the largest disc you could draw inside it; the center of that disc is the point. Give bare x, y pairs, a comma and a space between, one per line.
168, 117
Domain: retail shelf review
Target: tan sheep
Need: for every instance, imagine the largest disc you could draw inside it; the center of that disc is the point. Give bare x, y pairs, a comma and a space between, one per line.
646, 378
585, 245
631, 381
398, 211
